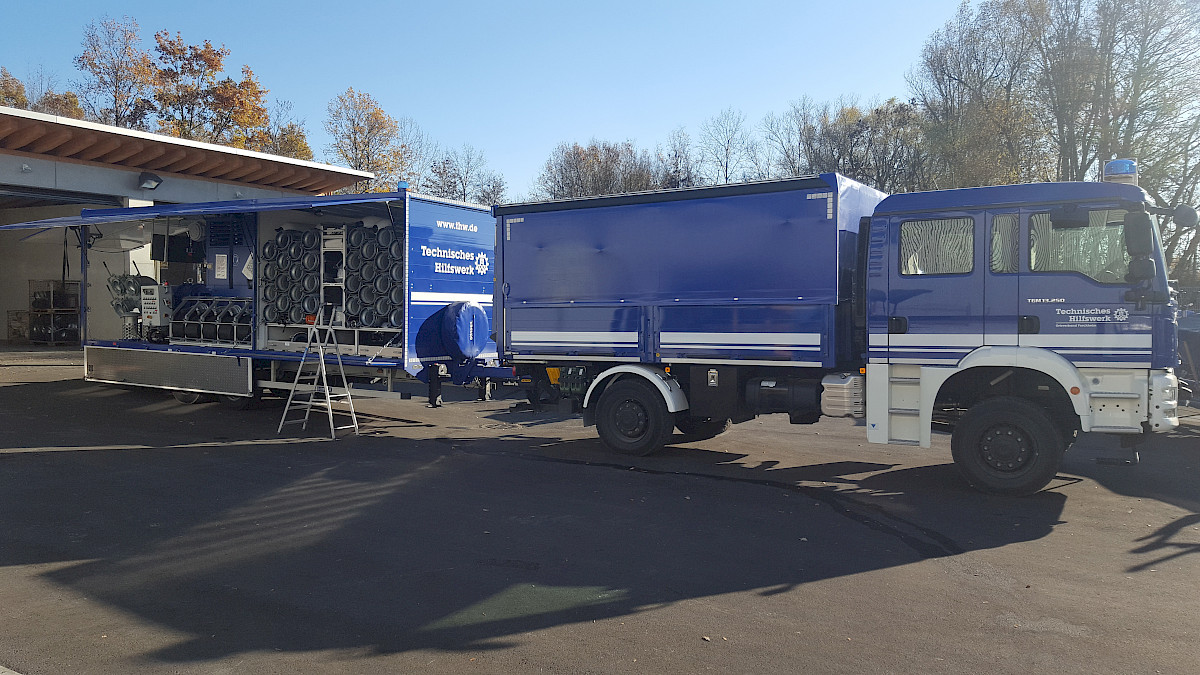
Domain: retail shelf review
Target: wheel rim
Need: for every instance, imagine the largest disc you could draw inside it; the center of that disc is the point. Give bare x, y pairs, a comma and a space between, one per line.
1007, 449
631, 419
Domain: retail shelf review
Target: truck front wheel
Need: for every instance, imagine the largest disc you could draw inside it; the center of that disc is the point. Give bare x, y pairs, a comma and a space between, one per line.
1007, 445
632, 418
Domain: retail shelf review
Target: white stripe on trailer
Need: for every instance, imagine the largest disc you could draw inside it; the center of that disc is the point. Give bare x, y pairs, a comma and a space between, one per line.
624, 338
708, 339
744, 362
570, 345
768, 348
559, 357
435, 303
444, 298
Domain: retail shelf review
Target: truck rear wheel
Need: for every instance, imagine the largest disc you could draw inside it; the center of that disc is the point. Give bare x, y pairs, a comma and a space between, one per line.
632, 418
1007, 445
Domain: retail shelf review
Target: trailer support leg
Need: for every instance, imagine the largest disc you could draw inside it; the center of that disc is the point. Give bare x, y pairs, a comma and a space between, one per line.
435, 385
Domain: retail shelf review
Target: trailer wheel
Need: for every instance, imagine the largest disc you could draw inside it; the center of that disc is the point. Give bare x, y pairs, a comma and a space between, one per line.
632, 418
700, 428
190, 397
235, 402
1007, 445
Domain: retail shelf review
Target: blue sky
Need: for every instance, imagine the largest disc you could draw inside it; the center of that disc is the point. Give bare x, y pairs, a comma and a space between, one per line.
514, 79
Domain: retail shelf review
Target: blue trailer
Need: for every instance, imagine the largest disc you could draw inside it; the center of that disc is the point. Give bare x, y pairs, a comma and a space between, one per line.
230, 288
1014, 317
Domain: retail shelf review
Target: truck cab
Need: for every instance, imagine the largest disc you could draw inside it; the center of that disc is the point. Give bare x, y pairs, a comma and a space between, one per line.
1017, 317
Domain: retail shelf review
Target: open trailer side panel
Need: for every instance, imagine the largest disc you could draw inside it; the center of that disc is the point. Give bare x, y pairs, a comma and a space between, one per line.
228, 290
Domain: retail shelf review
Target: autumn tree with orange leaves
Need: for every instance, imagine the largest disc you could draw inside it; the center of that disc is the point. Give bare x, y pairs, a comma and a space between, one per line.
180, 90
195, 102
366, 138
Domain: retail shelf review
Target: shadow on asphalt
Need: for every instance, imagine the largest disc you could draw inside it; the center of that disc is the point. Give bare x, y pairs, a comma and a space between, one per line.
389, 544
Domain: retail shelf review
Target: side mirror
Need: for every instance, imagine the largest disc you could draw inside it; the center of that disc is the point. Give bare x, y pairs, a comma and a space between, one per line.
1185, 216
1139, 234
1068, 217
1141, 269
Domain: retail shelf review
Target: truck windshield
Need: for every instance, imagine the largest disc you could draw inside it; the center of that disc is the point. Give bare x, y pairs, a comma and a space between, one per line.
1096, 251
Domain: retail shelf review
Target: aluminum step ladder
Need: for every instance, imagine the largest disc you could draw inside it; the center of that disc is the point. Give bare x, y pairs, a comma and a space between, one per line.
317, 394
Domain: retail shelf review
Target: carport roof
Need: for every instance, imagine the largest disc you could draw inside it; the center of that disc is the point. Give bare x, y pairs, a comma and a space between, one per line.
27, 133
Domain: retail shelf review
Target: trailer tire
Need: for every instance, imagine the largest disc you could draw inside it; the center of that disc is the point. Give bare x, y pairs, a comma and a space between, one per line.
632, 418
236, 402
700, 428
190, 397
1007, 445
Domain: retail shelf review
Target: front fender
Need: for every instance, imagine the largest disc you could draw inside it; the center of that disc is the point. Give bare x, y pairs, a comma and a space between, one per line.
1042, 360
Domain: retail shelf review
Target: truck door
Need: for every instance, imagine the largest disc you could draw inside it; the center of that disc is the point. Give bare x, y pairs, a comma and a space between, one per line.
1073, 292
1001, 293
935, 306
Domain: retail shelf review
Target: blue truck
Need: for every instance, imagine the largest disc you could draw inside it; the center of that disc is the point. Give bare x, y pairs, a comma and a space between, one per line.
221, 304
1014, 317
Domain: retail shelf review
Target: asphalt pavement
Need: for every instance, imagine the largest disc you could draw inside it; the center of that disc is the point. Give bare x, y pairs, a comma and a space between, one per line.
140, 535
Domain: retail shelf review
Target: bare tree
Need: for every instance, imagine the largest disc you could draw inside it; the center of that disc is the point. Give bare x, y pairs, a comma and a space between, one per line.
493, 190
972, 85
599, 168
117, 74
677, 166
723, 145
38, 84
463, 175
782, 136
417, 154
284, 135
897, 154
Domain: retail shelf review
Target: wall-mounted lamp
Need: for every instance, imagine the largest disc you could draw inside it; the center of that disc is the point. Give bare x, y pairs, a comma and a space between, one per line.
148, 181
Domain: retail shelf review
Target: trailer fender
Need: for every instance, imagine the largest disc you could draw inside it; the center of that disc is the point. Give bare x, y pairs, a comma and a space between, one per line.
666, 385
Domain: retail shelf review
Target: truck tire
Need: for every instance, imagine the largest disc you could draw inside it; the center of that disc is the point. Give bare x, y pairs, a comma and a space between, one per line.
1007, 445
700, 428
632, 418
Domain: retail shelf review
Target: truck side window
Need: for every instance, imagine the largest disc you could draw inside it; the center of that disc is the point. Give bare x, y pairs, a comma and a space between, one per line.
1096, 251
942, 246
1005, 230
